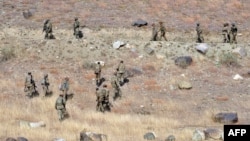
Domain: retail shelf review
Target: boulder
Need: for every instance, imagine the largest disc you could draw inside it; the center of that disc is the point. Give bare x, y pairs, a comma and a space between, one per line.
184, 84
140, 23
148, 50
212, 133
198, 135
27, 124
10, 139
226, 117
170, 138
240, 51
91, 136
149, 136
118, 44
21, 139
202, 48
59, 139
183, 61
131, 72
237, 77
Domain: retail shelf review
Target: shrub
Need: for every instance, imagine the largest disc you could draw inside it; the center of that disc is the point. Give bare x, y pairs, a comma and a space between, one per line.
228, 59
7, 53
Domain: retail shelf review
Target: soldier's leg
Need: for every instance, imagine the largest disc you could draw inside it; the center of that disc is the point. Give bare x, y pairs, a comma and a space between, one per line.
122, 77
119, 93
119, 76
60, 114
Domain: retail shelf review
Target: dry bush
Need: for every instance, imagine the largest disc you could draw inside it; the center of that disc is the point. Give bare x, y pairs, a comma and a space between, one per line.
229, 60
54, 71
222, 98
7, 53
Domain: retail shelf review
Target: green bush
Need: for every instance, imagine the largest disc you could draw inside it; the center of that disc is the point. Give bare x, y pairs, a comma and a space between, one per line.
228, 59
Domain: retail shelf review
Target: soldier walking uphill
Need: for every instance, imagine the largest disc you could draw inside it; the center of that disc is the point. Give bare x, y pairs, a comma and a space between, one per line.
233, 33
64, 87
47, 27
116, 87
120, 72
225, 33
98, 70
45, 85
162, 31
76, 27
103, 103
30, 86
200, 38
60, 106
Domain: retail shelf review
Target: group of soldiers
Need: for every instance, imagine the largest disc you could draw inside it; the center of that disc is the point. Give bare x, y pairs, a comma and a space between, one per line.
156, 30
228, 33
47, 28
31, 91
102, 95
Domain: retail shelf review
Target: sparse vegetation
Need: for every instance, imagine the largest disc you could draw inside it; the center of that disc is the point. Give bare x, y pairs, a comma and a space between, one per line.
229, 60
6, 54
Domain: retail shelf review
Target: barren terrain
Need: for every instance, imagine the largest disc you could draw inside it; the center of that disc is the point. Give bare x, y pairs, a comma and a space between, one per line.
151, 100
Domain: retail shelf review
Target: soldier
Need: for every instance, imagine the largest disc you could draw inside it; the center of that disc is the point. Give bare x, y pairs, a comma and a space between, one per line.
76, 27
65, 87
200, 38
45, 85
30, 86
234, 33
105, 102
163, 31
116, 87
154, 33
225, 33
120, 72
47, 27
98, 73
99, 100
60, 106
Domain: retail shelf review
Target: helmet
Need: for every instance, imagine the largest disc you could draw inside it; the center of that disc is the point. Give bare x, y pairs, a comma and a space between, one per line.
76, 18
66, 78
29, 73
121, 61
98, 62
198, 24
45, 75
233, 24
105, 85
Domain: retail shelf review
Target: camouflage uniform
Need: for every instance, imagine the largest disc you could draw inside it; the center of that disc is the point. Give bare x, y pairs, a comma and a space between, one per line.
98, 73
120, 72
200, 38
234, 33
154, 33
45, 85
60, 107
76, 27
105, 102
99, 99
225, 33
163, 31
116, 87
47, 27
65, 87
30, 87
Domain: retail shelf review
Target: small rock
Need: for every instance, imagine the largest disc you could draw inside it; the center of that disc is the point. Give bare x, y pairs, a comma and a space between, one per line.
148, 50
11, 139
184, 85
198, 135
91, 136
212, 133
118, 44
149, 136
226, 118
183, 61
21, 139
237, 77
140, 23
59, 139
160, 56
37, 124
27, 14
203, 48
240, 51
170, 138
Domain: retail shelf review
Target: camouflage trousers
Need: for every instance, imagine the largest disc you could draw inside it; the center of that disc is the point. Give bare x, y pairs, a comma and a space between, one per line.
45, 90
98, 78
61, 113
30, 90
163, 35
99, 107
234, 38
200, 38
117, 93
120, 77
